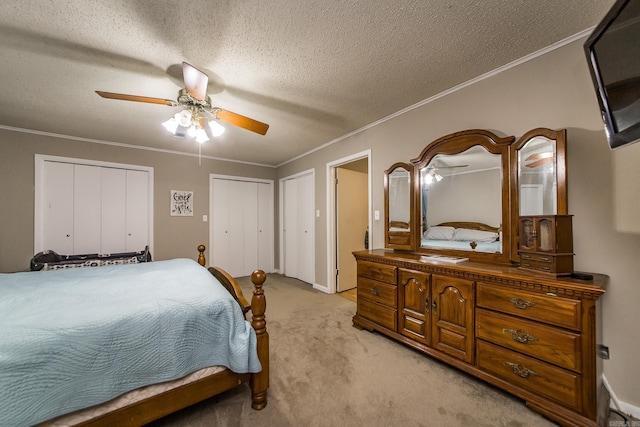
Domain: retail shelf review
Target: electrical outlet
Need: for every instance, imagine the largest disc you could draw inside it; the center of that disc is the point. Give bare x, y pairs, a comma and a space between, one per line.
603, 351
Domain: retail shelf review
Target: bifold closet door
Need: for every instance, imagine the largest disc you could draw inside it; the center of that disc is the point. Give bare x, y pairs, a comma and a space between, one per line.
94, 209
125, 210
242, 226
138, 211
58, 207
299, 228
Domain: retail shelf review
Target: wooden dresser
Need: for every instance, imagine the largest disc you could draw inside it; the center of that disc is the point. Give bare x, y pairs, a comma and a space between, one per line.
529, 334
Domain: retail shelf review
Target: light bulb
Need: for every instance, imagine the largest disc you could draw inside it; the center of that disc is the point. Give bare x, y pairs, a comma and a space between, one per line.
201, 136
216, 128
184, 118
171, 125
192, 131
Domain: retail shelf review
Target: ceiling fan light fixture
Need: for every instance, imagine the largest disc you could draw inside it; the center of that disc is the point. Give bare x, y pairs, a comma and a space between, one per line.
183, 118
216, 128
171, 125
201, 135
437, 176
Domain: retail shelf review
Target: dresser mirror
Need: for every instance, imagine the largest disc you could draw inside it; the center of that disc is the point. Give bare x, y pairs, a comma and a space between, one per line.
399, 206
463, 197
539, 173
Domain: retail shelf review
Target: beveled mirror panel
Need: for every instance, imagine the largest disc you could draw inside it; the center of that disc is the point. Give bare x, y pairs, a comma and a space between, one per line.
399, 206
459, 190
539, 168
463, 196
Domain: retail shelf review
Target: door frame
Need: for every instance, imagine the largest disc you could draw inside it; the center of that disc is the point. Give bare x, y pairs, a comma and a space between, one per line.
331, 215
39, 194
213, 176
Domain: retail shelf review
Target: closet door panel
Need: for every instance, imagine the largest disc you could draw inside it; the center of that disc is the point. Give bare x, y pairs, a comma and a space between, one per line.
137, 210
87, 215
113, 210
236, 229
250, 227
58, 209
220, 224
306, 229
265, 228
291, 240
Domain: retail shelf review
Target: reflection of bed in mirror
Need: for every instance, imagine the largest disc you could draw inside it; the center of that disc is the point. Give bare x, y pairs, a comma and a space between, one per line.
474, 236
398, 226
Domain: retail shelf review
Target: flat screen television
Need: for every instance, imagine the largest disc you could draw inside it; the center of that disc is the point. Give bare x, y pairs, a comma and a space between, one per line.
613, 54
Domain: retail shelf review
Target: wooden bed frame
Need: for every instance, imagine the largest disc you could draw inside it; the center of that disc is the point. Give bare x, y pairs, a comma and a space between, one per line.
165, 403
470, 225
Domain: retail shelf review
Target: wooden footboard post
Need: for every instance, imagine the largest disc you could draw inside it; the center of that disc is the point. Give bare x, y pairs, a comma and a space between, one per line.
260, 381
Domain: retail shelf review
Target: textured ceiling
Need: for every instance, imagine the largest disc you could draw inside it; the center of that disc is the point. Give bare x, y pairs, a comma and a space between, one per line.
313, 70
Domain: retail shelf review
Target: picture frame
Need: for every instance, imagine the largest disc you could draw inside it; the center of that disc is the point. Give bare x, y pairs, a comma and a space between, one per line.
181, 203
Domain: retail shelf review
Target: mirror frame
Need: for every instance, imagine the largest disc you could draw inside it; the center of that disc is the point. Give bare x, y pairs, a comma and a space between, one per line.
456, 143
400, 240
560, 137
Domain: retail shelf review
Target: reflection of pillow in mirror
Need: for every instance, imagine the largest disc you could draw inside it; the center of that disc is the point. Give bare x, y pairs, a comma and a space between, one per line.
475, 235
439, 233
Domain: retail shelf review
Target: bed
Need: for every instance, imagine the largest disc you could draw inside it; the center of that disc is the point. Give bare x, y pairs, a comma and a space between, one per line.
126, 344
463, 236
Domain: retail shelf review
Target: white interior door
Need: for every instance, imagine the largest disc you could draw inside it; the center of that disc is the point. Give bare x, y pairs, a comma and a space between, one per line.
241, 214
58, 208
138, 210
220, 223
87, 215
250, 227
290, 230
265, 227
113, 211
306, 220
298, 228
85, 207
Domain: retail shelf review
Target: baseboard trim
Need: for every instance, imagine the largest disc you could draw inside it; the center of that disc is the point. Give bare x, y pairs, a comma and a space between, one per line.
619, 405
324, 289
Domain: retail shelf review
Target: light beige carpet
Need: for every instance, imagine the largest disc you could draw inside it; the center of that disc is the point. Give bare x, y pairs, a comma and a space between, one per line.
325, 372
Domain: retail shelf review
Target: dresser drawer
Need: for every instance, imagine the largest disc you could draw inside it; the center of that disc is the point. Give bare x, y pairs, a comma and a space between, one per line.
381, 272
377, 313
374, 290
399, 238
553, 345
545, 263
557, 311
530, 374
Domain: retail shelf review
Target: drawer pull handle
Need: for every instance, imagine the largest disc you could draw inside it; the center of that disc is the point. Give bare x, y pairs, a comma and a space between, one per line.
544, 258
519, 335
520, 303
375, 291
435, 306
426, 304
520, 370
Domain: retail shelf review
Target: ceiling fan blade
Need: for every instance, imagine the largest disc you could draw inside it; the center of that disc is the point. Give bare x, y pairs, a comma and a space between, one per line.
195, 81
241, 121
447, 167
136, 98
539, 156
537, 163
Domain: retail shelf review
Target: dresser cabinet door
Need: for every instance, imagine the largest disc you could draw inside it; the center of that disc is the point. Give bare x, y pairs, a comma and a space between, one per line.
452, 308
415, 303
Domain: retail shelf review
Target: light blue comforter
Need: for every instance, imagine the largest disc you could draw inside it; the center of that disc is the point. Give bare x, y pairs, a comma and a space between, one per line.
70, 339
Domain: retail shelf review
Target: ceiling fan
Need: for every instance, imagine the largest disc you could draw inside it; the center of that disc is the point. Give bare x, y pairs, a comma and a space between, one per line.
198, 109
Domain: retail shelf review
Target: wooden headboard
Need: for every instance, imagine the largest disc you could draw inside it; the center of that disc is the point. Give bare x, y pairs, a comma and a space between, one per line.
471, 226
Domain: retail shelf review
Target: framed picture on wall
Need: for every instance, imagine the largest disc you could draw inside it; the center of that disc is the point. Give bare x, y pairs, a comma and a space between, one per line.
181, 203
